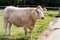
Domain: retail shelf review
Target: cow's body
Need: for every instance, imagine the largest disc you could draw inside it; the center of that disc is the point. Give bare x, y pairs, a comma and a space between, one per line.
25, 17
21, 17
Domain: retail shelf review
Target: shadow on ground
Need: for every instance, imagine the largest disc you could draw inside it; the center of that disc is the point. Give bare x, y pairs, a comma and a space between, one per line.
2, 37
13, 39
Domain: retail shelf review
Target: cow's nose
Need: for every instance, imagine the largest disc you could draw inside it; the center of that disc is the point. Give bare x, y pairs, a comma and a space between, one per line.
42, 18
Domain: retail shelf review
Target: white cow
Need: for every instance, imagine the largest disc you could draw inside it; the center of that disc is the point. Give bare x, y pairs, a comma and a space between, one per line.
25, 17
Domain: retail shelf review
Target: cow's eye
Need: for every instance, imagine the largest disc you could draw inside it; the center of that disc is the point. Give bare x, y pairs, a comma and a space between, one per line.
37, 11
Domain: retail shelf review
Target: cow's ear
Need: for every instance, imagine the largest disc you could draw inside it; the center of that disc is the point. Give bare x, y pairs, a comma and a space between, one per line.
36, 11
38, 7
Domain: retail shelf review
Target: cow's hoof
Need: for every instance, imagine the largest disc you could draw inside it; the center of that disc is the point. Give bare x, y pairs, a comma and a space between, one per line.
24, 38
31, 38
5, 35
9, 35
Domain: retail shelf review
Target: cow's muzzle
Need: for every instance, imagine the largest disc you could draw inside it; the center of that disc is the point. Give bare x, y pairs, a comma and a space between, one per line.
42, 17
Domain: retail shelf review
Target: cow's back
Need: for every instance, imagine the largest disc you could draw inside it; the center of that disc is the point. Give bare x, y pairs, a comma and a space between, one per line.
10, 10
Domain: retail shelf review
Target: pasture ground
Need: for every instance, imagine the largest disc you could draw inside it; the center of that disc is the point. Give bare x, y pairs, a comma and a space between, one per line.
18, 33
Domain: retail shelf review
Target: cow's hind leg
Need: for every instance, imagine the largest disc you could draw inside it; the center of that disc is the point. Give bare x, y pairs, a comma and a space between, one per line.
5, 27
25, 32
9, 30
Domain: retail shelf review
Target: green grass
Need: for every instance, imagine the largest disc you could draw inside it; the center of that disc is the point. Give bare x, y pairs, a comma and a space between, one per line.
18, 33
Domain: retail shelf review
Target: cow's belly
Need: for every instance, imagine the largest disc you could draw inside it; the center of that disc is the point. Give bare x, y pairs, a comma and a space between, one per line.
19, 21
15, 21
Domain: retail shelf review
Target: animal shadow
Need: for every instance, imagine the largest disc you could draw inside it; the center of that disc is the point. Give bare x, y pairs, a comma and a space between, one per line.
13, 39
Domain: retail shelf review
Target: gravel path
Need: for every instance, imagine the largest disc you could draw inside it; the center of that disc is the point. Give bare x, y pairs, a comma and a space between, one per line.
53, 33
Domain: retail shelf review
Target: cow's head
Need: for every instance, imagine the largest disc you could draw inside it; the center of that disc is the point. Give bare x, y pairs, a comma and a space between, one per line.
39, 10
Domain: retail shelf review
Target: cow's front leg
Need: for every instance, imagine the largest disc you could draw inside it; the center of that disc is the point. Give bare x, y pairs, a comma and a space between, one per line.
25, 32
5, 27
30, 34
10, 32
